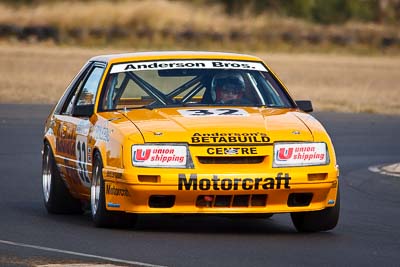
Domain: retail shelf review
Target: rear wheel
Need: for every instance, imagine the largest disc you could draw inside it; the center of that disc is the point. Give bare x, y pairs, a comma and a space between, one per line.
101, 216
316, 221
57, 198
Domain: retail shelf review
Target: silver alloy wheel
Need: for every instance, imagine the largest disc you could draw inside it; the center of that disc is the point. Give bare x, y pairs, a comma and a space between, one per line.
95, 190
46, 176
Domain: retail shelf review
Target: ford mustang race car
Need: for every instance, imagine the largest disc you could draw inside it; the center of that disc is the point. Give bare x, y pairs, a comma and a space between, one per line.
187, 133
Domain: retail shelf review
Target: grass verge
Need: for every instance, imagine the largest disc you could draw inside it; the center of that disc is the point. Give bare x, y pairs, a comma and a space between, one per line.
40, 73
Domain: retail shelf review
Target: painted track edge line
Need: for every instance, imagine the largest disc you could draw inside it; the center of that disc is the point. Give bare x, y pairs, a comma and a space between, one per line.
379, 169
137, 263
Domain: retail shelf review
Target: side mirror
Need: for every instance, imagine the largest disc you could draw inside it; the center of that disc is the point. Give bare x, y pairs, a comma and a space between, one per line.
83, 111
305, 105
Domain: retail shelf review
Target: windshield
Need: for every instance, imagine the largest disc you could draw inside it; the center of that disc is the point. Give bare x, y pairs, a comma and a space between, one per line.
158, 84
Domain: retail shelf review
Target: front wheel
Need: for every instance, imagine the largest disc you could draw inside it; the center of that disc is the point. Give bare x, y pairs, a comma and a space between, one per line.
100, 215
57, 198
316, 221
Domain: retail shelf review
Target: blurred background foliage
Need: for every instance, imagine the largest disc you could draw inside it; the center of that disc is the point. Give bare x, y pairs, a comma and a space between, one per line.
285, 25
322, 11
317, 11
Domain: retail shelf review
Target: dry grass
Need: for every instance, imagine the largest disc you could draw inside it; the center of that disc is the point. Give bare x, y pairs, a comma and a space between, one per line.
342, 83
40, 74
150, 14
155, 14
177, 24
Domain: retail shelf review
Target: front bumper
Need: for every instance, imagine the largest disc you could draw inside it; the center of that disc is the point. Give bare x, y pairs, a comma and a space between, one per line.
182, 191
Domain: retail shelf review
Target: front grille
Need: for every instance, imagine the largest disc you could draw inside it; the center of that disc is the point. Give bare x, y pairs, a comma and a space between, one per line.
231, 160
299, 199
231, 201
222, 201
161, 201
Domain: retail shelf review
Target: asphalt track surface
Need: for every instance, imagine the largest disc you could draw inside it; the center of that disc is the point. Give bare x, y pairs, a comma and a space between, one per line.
368, 233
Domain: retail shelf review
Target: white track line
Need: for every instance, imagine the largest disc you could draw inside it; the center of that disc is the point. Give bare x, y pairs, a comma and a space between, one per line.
137, 263
386, 169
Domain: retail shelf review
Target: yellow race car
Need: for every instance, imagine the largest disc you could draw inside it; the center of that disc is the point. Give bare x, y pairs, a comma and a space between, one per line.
187, 133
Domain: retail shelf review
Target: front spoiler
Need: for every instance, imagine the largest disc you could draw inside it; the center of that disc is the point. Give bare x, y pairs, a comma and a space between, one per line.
135, 197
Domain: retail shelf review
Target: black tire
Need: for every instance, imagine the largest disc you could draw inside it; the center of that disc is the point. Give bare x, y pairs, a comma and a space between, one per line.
57, 198
100, 215
317, 221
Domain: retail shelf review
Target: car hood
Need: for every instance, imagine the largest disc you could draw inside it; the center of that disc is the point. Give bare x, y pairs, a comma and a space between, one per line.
250, 125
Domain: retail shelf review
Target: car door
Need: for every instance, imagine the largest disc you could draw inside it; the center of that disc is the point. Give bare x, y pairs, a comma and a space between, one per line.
72, 129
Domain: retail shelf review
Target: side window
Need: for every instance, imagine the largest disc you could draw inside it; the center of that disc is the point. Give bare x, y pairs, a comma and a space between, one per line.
72, 87
84, 91
68, 108
87, 95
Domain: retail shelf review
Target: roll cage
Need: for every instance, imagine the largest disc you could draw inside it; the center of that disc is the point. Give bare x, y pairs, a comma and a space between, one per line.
182, 87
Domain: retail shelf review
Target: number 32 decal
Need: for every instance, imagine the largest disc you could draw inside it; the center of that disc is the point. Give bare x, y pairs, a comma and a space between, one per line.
212, 112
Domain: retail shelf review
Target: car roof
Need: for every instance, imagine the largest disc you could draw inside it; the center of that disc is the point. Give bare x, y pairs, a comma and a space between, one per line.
157, 55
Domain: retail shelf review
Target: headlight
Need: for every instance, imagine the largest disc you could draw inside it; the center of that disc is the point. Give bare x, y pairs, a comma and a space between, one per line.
300, 154
161, 156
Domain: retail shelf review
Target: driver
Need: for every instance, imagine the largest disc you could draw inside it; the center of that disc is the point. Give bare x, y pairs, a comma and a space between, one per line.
228, 89
229, 93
